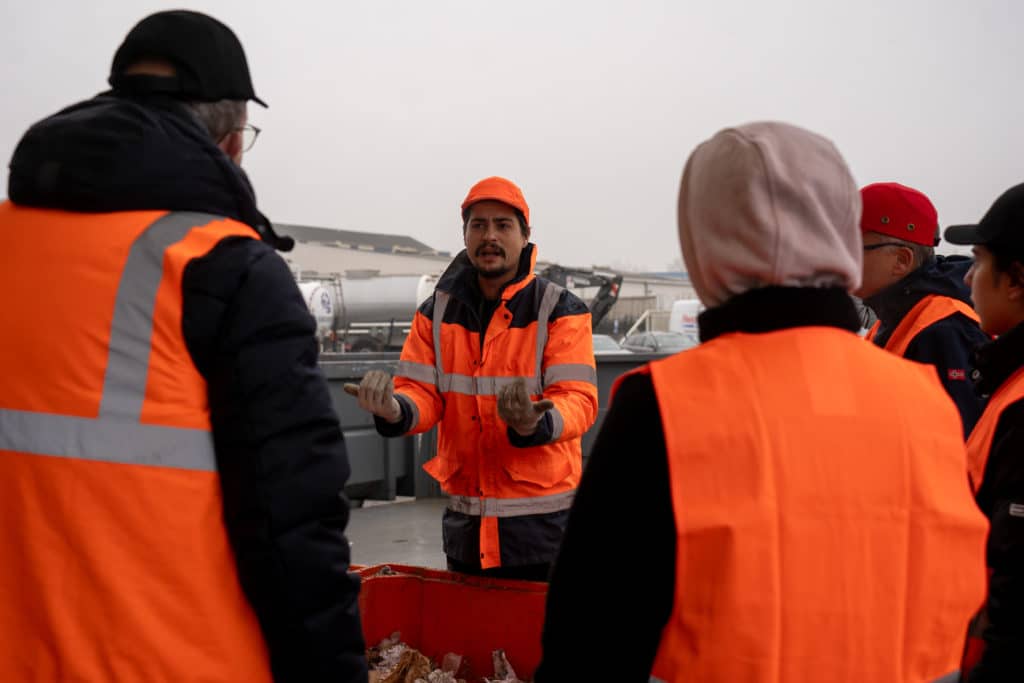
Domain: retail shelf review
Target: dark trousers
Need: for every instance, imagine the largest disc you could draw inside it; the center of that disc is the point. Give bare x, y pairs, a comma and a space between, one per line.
526, 572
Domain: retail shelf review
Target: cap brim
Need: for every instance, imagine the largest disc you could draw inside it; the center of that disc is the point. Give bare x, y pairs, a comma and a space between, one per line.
963, 234
260, 102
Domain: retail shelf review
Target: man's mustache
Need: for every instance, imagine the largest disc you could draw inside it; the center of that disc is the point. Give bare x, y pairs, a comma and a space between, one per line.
489, 247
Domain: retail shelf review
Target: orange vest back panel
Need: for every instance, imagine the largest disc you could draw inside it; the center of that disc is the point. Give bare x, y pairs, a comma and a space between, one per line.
826, 532
117, 565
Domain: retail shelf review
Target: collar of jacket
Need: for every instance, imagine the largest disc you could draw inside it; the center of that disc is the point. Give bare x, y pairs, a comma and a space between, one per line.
126, 153
942, 275
459, 278
777, 308
995, 361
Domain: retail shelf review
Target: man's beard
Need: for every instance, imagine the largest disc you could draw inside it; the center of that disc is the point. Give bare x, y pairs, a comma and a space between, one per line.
497, 272
493, 274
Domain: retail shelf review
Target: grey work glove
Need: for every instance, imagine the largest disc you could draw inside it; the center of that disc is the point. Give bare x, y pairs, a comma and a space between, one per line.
518, 411
376, 394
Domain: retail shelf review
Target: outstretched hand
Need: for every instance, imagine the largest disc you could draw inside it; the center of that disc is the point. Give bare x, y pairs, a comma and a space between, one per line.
520, 412
376, 394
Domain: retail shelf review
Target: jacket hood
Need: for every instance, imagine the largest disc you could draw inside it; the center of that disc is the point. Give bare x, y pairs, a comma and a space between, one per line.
768, 204
117, 153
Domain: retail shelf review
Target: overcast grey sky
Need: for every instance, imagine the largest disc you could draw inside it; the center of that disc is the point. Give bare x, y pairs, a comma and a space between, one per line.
382, 114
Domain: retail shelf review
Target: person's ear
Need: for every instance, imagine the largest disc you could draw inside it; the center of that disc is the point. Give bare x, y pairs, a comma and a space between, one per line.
904, 262
231, 144
1015, 284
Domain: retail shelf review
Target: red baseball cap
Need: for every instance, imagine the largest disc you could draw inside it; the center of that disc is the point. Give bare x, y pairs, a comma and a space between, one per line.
899, 211
499, 190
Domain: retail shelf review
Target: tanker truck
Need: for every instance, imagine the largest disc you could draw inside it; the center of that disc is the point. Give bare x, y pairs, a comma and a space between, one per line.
364, 313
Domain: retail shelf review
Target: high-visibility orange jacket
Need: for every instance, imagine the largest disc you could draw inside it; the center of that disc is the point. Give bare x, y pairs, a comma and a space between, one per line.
539, 332
825, 528
117, 564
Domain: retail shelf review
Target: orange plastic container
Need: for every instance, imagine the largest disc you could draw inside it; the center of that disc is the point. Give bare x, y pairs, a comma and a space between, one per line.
439, 612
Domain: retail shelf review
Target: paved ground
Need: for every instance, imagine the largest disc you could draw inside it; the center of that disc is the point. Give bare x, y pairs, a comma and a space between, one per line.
403, 532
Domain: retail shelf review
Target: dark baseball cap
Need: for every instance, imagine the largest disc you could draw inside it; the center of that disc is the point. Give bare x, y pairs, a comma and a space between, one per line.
1001, 228
208, 57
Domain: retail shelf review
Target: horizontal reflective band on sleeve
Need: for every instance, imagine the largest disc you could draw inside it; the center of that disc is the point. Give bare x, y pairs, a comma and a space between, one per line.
106, 440
570, 372
511, 507
483, 385
419, 372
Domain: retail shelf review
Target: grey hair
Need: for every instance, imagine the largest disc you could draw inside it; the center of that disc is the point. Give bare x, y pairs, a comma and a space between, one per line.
220, 117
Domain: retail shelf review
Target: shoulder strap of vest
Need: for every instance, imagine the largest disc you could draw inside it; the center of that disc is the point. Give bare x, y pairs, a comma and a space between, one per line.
928, 311
870, 336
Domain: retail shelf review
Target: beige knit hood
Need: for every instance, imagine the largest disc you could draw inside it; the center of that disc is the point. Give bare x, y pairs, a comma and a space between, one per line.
768, 204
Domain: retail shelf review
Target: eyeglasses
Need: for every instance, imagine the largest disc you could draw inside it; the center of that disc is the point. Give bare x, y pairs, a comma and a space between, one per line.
869, 247
249, 134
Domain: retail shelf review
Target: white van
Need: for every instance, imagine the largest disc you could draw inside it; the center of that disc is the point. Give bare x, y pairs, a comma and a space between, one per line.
684, 318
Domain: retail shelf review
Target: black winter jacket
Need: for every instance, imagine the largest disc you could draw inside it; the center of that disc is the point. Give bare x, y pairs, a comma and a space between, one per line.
280, 452
1001, 498
948, 344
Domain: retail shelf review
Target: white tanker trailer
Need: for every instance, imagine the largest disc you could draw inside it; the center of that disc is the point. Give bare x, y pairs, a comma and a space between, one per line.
371, 313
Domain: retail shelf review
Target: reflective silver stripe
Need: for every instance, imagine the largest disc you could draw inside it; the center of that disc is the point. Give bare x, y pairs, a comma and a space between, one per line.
116, 434
484, 385
652, 679
131, 332
419, 372
547, 305
569, 372
440, 303
106, 440
511, 507
557, 424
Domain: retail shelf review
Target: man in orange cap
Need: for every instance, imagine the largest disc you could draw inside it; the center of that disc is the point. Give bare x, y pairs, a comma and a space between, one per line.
503, 361
923, 306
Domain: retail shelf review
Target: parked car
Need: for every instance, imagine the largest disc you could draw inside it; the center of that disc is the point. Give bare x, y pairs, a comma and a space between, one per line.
658, 342
605, 345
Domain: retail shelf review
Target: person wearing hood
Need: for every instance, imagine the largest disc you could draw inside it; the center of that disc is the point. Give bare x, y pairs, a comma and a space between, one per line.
503, 362
171, 486
800, 511
995, 449
923, 306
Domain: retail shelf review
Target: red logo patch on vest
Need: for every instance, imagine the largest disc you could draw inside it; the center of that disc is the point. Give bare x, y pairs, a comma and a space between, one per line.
956, 373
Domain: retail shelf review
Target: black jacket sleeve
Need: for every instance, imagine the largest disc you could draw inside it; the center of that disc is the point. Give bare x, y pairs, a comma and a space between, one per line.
613, 585
949, 345
1001, 498
281, 458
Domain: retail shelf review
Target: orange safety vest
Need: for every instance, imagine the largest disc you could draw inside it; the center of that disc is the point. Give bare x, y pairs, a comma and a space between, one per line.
450, 380
116, 561
979, 445
926, 312
825, 530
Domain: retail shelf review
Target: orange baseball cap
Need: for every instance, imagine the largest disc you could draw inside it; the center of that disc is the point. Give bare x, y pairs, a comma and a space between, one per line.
899, 211
500, 190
